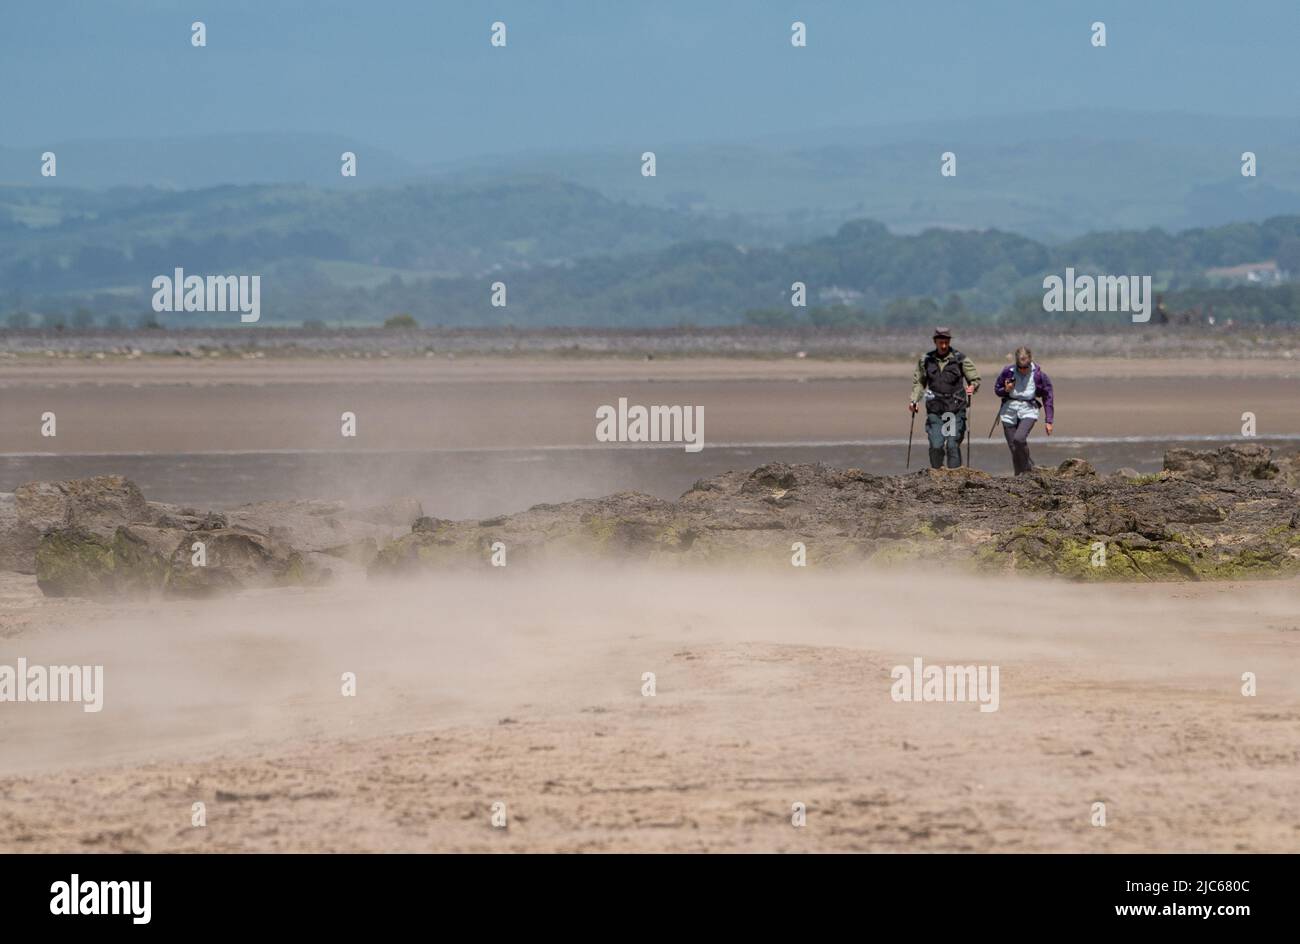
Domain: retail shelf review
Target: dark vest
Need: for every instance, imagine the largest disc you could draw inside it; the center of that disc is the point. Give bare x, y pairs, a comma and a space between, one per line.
947, 383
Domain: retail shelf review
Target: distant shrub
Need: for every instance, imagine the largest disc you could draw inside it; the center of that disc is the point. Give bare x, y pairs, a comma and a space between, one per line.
401, 322
313, 324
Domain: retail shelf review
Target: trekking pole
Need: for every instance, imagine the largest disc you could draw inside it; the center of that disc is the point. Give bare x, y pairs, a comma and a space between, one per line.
970, 401
997, 414
910, 430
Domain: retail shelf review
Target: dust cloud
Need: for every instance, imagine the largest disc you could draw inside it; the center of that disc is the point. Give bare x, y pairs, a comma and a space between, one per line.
265, 668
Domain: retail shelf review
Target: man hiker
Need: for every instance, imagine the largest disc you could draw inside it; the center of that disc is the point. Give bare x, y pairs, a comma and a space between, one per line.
945, 379
1023, 388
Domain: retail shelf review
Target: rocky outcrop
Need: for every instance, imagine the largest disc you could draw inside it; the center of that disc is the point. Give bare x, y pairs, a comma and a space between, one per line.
334, 535
1229, 513
1290, 469
99, 537
17, 545
143, 559
96, 505
1229, 464
1069, 522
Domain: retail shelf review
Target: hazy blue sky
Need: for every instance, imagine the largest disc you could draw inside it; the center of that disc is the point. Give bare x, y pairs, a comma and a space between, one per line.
420, 78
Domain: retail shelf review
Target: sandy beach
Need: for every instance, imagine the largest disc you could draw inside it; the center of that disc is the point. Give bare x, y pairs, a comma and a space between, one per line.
480, 436
526, 688
269, 404
528, 691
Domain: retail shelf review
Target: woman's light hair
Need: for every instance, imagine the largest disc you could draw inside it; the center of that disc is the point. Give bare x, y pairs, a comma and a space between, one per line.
1025, 351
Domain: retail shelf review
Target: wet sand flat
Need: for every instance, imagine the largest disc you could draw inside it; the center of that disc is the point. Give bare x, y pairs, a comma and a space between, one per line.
153, 406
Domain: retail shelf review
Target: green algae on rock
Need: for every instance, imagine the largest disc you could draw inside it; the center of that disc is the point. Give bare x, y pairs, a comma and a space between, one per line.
1227, 514
1068, 522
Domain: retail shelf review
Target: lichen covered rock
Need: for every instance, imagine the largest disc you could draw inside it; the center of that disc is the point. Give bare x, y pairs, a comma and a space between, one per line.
1231, 513
1213, 516
97, 505
1231, 463
143, 560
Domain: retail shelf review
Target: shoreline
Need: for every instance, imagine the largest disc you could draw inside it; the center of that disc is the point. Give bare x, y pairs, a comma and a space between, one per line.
532, 367
582, 345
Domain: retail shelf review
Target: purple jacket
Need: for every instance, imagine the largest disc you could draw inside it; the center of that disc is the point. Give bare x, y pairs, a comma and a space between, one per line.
1042, 388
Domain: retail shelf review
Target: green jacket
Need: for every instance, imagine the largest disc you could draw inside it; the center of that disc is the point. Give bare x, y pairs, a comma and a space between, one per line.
968, 369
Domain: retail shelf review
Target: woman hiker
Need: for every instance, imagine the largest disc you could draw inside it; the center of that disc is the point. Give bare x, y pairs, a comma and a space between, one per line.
1022, 386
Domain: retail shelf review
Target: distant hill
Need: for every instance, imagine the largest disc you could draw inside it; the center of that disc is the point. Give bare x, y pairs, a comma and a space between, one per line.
202, 161
863, 273
63, 242
861, 215
1051, 176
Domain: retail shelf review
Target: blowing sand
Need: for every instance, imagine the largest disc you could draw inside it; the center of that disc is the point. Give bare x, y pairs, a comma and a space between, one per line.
526, 689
